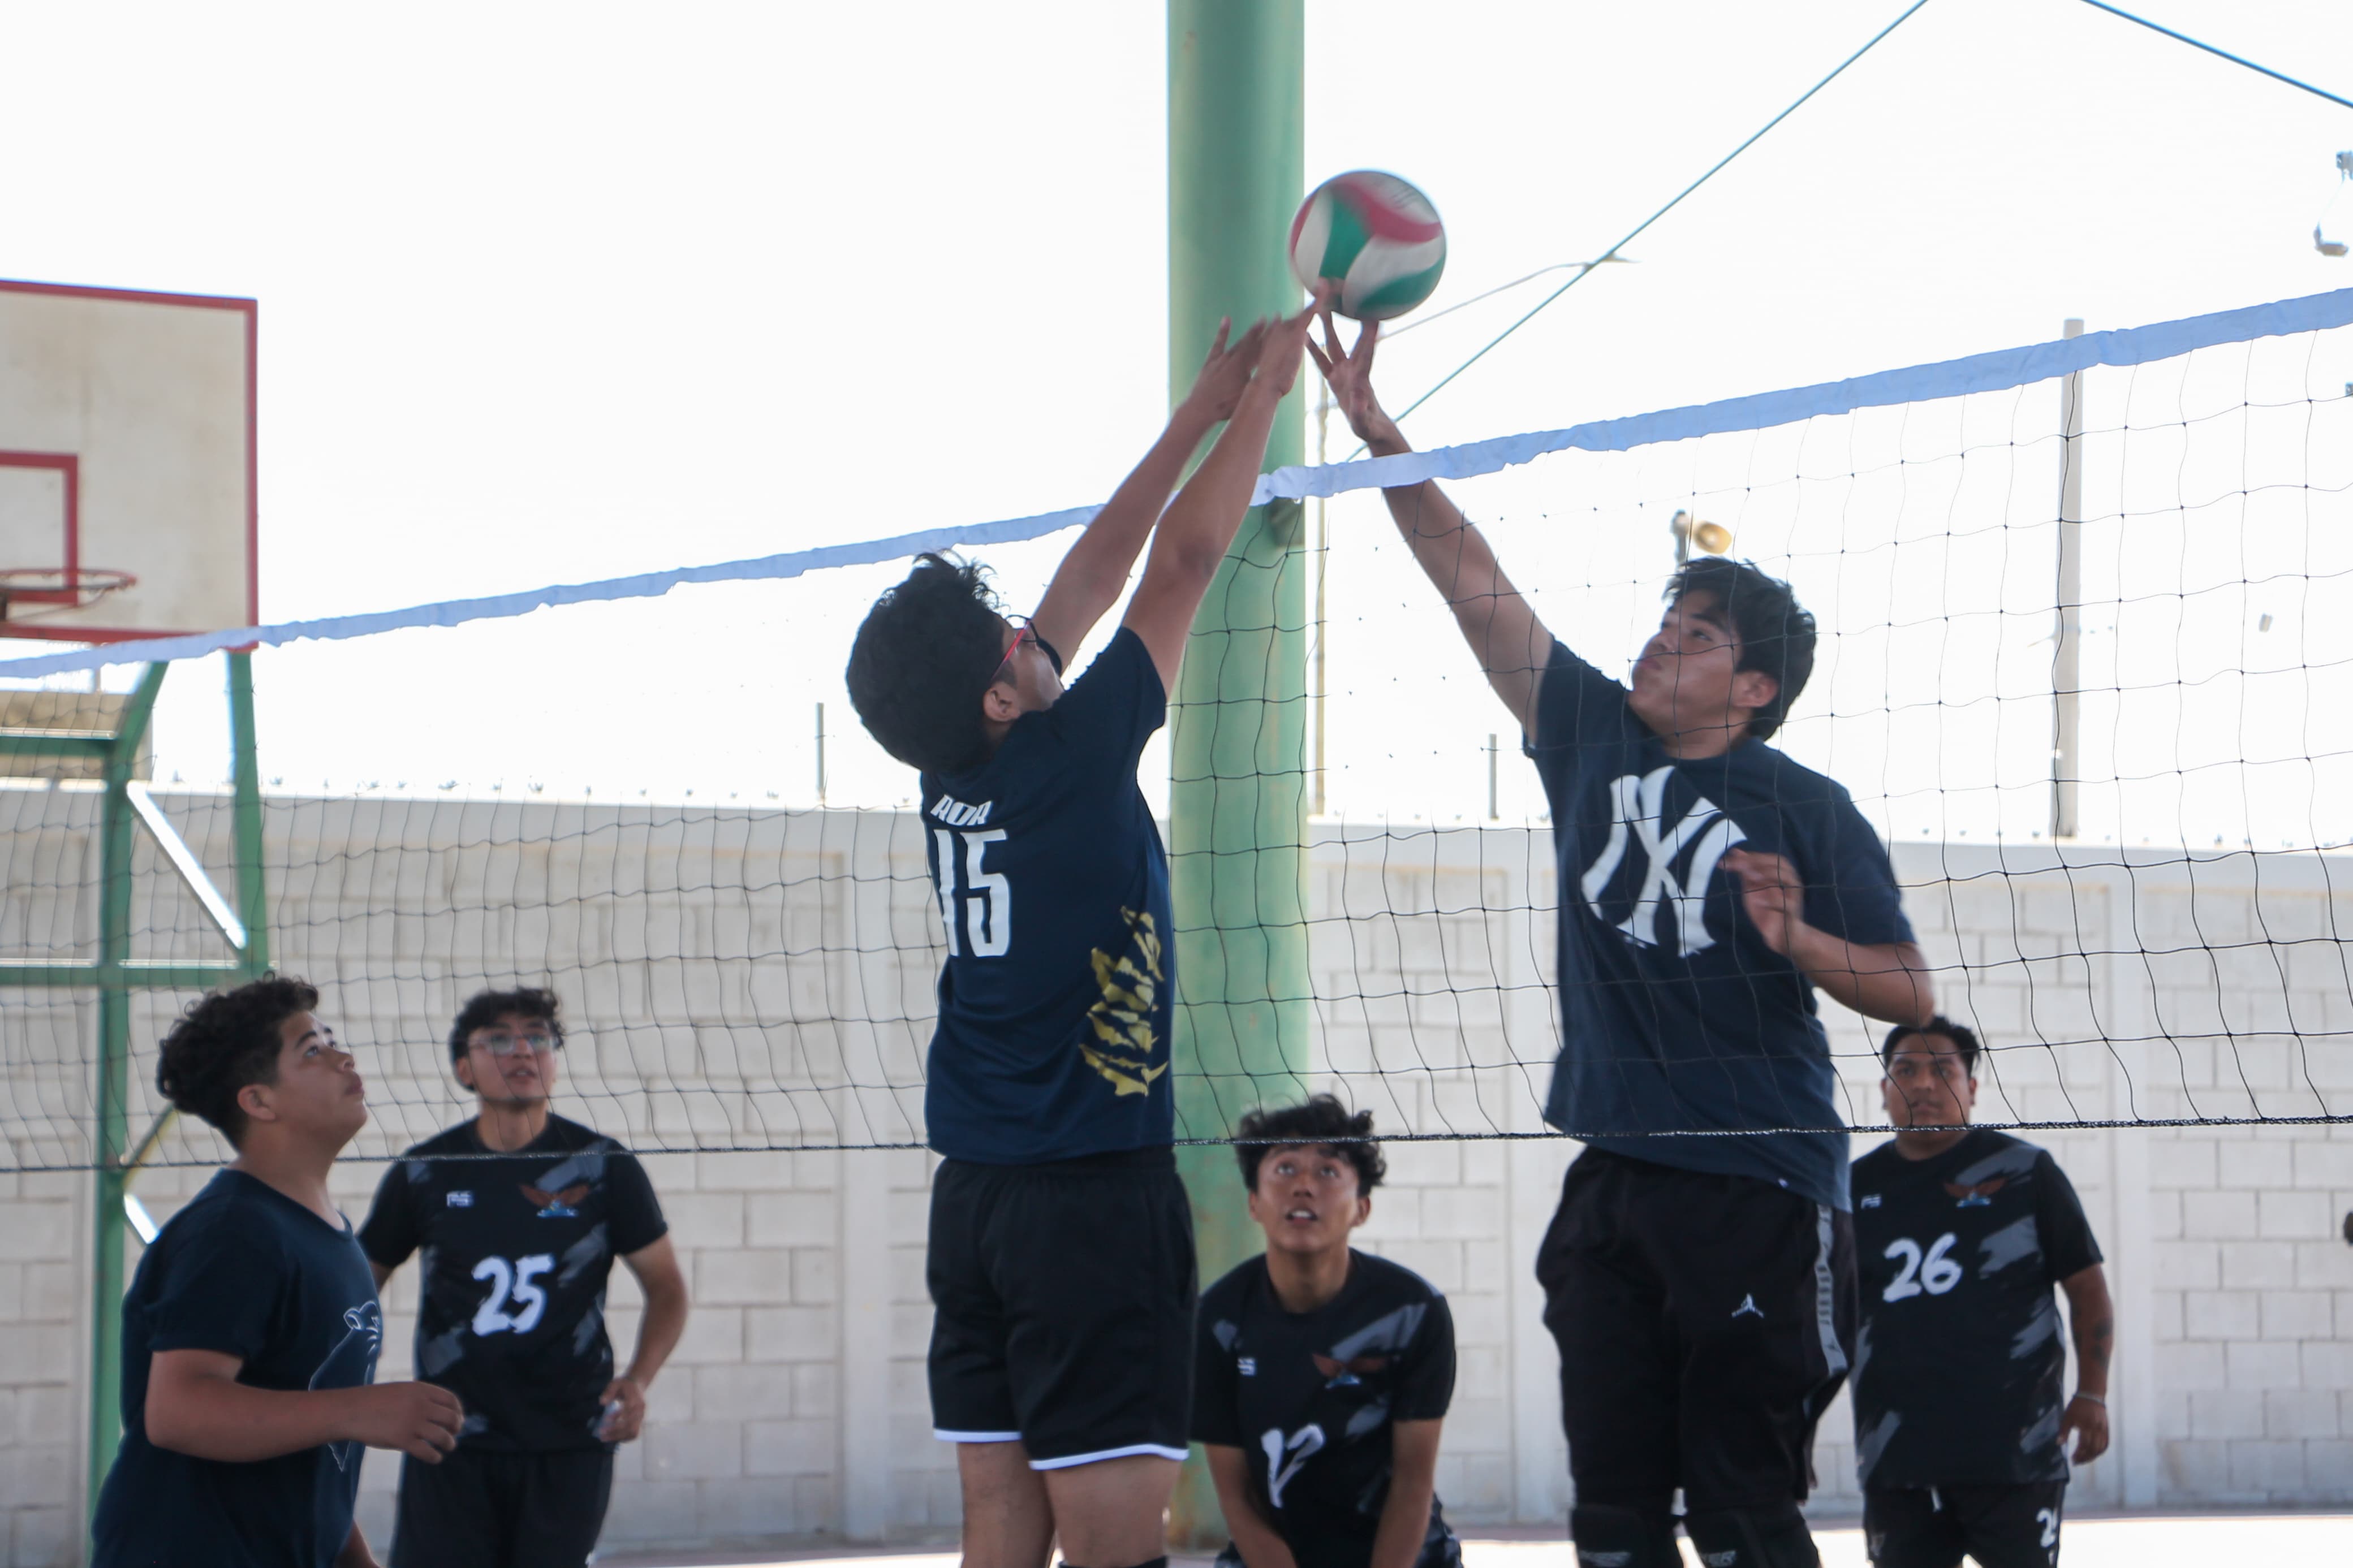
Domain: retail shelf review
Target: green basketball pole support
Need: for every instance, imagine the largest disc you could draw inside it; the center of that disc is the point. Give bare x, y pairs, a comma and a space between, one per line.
1238, 763
252, 893
113, 1114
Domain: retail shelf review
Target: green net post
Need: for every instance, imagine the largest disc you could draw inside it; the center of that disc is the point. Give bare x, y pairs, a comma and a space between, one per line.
244, 772
111, 1135
1238, 787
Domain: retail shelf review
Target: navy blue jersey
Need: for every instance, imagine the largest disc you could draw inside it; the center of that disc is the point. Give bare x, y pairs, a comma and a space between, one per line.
246, 1271
1675, 1016
1053, 1039
516, 1250
1312, 1399
1960, 1371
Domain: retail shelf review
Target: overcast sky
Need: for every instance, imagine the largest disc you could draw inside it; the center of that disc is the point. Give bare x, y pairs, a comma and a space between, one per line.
553, 292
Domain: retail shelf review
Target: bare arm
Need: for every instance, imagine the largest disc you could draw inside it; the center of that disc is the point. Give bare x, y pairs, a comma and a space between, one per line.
355, 1552
1511, 645
1888, 982
1192, 538
383, 1272
1413, 1487
2092, 1321
1261, 1546
659, 1277
196, 1406
1093, 573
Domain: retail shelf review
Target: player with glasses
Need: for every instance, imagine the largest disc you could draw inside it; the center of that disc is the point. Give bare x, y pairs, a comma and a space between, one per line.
520, 1213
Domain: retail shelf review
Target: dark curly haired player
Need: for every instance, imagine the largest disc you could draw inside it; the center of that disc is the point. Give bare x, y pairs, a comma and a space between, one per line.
1321, 1374
1060, 1259
511, 1312
1699, 1289
249, 1333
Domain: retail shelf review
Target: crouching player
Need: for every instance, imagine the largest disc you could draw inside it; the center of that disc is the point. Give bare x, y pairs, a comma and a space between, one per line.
250, 1334
1321, 1374
1060, 1250
1959, 1408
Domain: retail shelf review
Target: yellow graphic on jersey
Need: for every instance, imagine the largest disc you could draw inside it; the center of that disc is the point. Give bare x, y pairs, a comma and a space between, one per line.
1121, 1021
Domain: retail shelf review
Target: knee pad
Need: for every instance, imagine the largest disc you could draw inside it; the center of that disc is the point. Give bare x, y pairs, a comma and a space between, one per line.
1610, 1537
1771, 1537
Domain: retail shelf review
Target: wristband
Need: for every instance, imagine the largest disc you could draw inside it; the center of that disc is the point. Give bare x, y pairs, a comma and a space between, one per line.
2094, 1398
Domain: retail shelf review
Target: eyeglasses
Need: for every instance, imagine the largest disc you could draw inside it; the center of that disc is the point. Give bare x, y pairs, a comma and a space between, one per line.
1024, 630
498, 1043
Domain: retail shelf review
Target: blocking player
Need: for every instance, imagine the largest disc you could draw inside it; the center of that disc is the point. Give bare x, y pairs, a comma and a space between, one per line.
1960, 1413
1700, 1288
249, 1333
511, 1312
1061, 1255
1321, 1373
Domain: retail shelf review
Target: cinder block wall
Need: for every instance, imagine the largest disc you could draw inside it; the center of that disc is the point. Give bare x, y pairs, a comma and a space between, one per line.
740, 978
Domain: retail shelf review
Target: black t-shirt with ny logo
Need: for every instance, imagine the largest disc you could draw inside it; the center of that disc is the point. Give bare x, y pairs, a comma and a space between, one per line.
516, 1249
1675, 1015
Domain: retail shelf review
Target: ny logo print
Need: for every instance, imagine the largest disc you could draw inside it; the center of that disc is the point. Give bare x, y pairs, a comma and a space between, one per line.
1637, 802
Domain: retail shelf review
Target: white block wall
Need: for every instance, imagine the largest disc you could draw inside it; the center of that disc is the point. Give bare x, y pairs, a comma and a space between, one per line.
734, 979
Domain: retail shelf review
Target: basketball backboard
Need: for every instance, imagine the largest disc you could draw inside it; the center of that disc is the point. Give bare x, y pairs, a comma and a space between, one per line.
127, 497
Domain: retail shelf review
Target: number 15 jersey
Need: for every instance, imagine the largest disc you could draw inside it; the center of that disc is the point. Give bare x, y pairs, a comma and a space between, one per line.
1052, 888
516, 1249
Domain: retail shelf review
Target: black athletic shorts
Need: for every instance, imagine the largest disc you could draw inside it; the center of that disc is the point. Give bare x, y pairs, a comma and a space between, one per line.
1062, 1299
2012, 1526
482, 1510
1704, 1321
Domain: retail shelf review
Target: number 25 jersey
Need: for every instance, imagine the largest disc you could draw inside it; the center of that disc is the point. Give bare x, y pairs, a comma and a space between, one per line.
515, 1250
1053, 888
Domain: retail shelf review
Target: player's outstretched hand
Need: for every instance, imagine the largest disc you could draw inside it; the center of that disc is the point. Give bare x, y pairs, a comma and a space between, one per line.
2088, 1419
1225, 374
419, 1419
1349, 373
1771, 893
625, 1411
1278, 361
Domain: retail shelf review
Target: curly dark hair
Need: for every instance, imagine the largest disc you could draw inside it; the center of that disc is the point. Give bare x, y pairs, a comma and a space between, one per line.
1776, 632
225, 1041
1320, 1119
1964, 1038
484, 1009
922, 661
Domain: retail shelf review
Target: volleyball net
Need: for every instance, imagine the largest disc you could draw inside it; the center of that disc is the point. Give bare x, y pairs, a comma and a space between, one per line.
2086, 662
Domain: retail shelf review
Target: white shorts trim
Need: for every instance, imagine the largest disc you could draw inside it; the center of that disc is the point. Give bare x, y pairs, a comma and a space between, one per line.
976, 1436
1133, 1448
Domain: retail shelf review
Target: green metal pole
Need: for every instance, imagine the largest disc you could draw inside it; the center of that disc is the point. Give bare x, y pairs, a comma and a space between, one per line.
244, 771
1238, 764
113, 1132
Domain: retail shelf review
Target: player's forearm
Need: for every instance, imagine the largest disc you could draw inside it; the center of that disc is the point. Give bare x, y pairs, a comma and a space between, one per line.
1202, 520
1260, 1545
2092, 1324
1888, 982
658, 1334
1405, 1523
355, 1552
236, 1423
1095, 570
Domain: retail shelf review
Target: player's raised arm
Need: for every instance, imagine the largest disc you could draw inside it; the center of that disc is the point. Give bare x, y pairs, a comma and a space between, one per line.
1202, 520
1093, 573
1512, 646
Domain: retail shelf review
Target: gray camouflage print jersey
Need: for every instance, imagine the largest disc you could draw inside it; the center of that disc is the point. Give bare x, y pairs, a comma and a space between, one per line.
1961, 1364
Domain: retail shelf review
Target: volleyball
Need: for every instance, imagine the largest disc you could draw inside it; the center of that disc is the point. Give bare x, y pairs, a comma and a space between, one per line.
1374, 235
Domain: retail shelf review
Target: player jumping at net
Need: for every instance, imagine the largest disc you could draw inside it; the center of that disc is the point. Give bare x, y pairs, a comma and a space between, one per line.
1961, 1416
250, 1332
1701, 1288
1322, 1373
511, 1312
1060, 1256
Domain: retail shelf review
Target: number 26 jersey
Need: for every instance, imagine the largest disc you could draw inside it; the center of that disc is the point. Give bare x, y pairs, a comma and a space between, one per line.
1959, 1368
516, 1250
1053, 890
